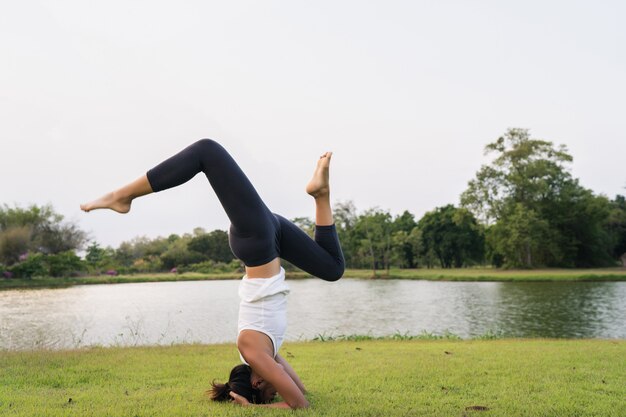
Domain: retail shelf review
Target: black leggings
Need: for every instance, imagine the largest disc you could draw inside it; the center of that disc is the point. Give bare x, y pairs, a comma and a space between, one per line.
257, 236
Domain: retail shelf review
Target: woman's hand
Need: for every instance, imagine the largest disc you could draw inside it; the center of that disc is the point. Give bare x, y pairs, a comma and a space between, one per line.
238, 399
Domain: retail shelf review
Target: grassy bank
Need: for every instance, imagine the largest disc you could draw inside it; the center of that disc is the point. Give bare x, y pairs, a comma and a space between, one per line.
349, 378
435, 274
493, 274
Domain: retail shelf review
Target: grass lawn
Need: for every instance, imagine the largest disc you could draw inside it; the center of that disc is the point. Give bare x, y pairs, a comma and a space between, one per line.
508, 377
494, 274
435, 274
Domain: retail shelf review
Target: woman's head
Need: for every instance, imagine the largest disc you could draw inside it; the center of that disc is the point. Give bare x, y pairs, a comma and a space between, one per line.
245, 382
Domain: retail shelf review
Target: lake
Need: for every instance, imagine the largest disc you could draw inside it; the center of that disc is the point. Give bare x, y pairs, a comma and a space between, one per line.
161, 313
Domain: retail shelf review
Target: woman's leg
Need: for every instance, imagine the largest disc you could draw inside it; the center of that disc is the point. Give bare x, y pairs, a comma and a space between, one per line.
323, 256
257, 237
254, 230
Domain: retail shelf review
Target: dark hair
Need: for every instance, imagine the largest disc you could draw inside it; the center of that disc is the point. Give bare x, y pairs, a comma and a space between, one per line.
239, 382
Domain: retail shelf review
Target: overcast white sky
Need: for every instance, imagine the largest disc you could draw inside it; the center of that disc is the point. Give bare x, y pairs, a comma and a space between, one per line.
405, 93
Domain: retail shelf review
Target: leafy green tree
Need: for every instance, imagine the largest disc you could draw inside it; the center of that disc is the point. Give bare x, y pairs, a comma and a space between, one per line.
33, 265
452, 235
520, 240
123, 255
14, 241
100, 259
213, 246
345, 216
402, 240
540, 215
178, 254
48, 233
526, 171
94, 254
579, 222
306, 224
374, 229
405, 221
616, 226
406, 248
64, 264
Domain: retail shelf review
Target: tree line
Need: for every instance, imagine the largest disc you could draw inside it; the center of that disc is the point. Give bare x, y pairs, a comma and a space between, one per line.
522, 210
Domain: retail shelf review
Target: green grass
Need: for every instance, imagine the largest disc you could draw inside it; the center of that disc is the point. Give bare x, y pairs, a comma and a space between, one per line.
435, 274
493, 274
510, 377
49, 282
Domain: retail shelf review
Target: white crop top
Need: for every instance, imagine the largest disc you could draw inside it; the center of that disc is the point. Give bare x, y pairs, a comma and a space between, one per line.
263, 307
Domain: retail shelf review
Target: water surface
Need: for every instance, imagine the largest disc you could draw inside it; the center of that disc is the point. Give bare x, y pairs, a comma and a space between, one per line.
206, 311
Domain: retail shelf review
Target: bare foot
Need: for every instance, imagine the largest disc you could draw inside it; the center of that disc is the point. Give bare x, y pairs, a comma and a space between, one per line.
319, 184
109, 201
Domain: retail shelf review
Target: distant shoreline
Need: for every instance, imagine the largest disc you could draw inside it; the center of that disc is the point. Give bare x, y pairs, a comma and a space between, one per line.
435, 274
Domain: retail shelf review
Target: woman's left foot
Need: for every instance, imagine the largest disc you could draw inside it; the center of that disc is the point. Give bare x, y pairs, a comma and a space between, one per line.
319, 185
109, 201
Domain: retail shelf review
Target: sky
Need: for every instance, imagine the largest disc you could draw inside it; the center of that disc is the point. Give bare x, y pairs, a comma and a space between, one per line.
406, 94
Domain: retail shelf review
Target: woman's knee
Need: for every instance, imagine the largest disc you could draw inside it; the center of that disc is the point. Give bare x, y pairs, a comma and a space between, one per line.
333, 273
207, 144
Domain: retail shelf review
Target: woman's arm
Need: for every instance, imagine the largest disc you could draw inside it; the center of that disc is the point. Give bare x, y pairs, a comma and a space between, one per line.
267, 368
290, 371
238, 399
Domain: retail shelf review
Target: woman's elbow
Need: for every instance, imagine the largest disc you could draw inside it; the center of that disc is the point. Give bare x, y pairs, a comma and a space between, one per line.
299, 404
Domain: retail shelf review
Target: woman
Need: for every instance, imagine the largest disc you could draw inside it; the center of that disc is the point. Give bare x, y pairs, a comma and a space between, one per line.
259, 238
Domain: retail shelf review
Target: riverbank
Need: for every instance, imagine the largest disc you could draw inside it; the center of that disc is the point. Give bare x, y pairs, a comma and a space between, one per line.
435, 274
508, 377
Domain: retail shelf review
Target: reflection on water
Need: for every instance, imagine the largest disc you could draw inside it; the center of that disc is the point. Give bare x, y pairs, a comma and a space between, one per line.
206, 311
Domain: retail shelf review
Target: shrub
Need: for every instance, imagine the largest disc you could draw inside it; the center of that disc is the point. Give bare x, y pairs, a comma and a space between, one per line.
212, 267
65, 264
34, 265
14, 241
4, 272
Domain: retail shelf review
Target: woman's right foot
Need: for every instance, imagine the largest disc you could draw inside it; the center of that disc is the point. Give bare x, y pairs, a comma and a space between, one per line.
319, 184
110, 201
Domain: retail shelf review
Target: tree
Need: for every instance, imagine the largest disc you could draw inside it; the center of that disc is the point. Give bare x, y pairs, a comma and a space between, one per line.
345, 215
374, 231
178, 254
14, 242
305, 224
402, 240
539, 215
452, 235
64, 264
100, 259
213, 246
579, 222
519, 240
616, 226
406, 248
526, 171
47, 232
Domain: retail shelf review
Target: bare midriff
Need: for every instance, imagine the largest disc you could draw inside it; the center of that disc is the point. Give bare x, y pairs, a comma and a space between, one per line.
267, 270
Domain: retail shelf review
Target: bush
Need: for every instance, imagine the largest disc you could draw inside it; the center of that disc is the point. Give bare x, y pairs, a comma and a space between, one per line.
4, 272
14, 241
65, 264
147, 264
212, 267
34, 265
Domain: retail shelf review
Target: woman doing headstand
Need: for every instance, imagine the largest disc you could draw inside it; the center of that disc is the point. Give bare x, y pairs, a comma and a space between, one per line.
259, 238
